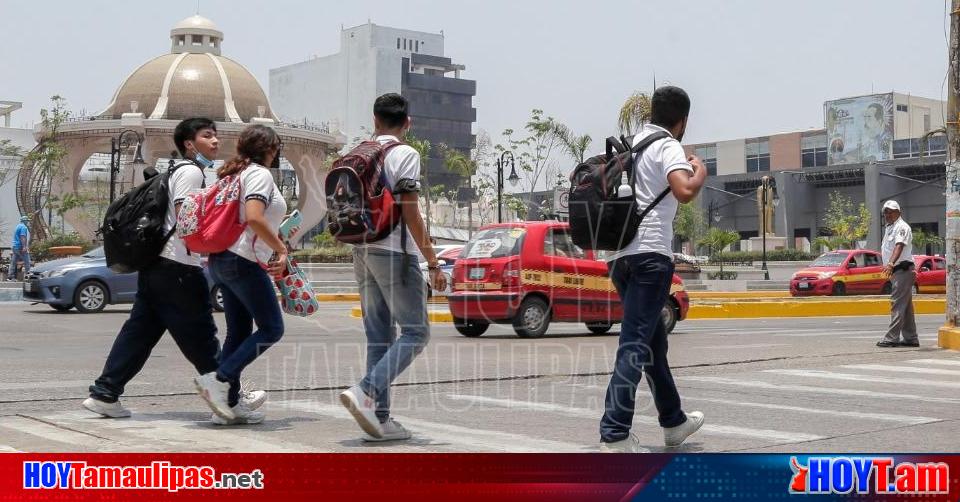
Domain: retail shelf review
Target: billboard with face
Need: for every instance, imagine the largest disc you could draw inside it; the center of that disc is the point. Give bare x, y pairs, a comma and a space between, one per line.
859, 129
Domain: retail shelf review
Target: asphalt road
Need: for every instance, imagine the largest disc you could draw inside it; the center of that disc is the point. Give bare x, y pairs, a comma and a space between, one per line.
799, 384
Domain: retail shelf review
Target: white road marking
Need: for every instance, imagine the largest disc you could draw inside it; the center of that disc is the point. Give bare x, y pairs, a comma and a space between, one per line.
825, 332
459, 438
907, 419
748, 346
708, 428
180, 435
879, 336
7, 449
943, 362
818, 390
50, 432
850, 377
903, 369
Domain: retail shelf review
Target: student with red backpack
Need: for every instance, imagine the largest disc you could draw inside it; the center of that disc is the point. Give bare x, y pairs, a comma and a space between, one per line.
373, 203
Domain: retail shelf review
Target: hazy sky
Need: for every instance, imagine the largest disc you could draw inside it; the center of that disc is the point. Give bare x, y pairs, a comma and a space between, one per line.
751, 67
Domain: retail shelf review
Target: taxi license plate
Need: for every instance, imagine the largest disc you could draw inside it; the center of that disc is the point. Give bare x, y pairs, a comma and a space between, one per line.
476, 273
803, 285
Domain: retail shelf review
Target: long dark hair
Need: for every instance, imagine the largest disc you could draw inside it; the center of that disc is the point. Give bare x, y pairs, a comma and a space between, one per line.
255, 143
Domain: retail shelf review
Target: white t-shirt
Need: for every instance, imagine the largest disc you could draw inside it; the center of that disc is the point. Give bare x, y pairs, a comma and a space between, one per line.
402, 162
256, 183
185, 179
898, 233
653, 166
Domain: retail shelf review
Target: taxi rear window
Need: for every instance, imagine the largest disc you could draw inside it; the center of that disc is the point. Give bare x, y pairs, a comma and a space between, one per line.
495, 243
829, 260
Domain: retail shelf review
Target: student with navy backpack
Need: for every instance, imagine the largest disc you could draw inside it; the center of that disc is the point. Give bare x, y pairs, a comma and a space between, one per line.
373, 203
172, 293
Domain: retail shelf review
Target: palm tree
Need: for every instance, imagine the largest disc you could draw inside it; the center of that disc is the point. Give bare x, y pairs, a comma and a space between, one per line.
576, 146
716, 240
634, 113
422, 146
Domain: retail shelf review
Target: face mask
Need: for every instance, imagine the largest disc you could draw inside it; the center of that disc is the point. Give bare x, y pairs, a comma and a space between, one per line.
203, 161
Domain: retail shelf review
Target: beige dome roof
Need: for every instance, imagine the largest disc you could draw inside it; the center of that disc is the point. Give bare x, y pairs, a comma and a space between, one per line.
194, 80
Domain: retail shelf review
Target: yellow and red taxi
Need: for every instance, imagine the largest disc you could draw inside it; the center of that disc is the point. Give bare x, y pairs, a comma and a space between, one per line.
530, 274
840, 273
931, 274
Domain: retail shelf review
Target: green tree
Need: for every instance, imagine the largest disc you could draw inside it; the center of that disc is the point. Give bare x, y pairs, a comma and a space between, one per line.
922, 239
46, 162
575, 146
634, 113
532, 153
690, 224
716, 240
422, 146
847, 224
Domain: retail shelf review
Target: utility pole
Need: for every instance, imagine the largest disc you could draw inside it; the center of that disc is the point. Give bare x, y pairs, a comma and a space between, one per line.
949, 336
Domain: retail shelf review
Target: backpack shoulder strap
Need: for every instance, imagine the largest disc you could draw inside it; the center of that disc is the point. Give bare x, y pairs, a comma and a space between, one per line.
203, 174
638, 150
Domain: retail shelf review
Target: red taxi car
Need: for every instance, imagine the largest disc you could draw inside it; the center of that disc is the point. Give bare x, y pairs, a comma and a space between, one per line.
931, 274
840, 273
529, 274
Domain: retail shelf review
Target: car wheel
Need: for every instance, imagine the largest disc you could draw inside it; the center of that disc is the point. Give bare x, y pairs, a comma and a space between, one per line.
62, 308
668, 316
470, 329
91, 296
532, 319
216, 298
839, 289
887, 289
599, 328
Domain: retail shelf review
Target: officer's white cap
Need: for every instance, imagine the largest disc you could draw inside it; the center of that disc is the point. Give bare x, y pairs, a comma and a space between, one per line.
891, 204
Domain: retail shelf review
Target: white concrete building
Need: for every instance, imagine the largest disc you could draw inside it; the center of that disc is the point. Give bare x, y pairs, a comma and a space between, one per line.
9, 168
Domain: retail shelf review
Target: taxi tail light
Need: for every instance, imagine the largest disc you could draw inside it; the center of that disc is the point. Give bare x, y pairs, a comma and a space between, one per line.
511, 274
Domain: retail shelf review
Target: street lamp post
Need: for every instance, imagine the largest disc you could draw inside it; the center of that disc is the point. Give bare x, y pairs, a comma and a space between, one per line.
116, 147
765, 184
513, 179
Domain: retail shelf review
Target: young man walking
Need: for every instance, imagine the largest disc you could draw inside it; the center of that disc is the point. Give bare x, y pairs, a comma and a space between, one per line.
391, 285
897, 253
642, 273
172, 293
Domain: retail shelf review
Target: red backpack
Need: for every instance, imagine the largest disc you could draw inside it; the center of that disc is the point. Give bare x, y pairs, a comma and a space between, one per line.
361, 207
209, 219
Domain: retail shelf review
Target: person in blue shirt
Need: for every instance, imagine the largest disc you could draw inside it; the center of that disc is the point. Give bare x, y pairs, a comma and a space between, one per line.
21, 248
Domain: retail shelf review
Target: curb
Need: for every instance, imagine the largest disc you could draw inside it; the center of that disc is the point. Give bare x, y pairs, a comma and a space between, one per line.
791, 308
949, 338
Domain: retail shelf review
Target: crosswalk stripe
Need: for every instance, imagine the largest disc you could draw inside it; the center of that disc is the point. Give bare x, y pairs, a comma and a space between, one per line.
186, 435
850, 377
458, 437
944, 362
818, 390
8, 449
903, 369
708, 428
907, 419
49, 432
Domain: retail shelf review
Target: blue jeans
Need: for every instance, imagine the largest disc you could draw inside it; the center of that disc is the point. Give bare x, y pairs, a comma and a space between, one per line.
171, 297
19, 255
248, 296
392, 292
643, 283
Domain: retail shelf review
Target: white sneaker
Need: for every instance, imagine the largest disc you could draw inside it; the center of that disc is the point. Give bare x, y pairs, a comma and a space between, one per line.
252, 399
363, 409
109, 410
629, 445
392, 431
244, 416
675, 436
214, 392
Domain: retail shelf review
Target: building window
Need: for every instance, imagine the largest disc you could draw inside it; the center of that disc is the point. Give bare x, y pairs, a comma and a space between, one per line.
417, 49
758, 155
196, 40
708, 154
926, 123
813, 150
902, 108
911, 148
398, 43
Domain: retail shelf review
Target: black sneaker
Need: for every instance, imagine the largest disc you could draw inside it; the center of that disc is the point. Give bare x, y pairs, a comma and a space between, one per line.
885, 344
910, 344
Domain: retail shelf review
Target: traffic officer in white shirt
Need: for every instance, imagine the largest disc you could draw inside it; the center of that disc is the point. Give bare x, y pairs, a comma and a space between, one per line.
897, 252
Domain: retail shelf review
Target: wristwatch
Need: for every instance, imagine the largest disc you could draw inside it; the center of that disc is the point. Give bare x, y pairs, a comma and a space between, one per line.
433, 267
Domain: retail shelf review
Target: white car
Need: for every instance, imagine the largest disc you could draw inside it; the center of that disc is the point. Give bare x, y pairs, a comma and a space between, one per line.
447, 255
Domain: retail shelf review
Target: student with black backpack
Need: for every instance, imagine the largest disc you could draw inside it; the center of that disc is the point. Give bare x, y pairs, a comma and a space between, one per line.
172, 293
392, 290
642, 272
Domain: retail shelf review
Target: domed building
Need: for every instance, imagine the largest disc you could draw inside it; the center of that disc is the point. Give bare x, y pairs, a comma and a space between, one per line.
193, 80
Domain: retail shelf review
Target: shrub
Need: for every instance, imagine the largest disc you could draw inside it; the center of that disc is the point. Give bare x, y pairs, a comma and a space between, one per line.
343, 254
756, 256
721, 276
40, 251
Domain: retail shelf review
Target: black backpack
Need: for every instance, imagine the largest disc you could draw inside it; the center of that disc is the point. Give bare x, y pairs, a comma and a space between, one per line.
133, 235
599, 219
